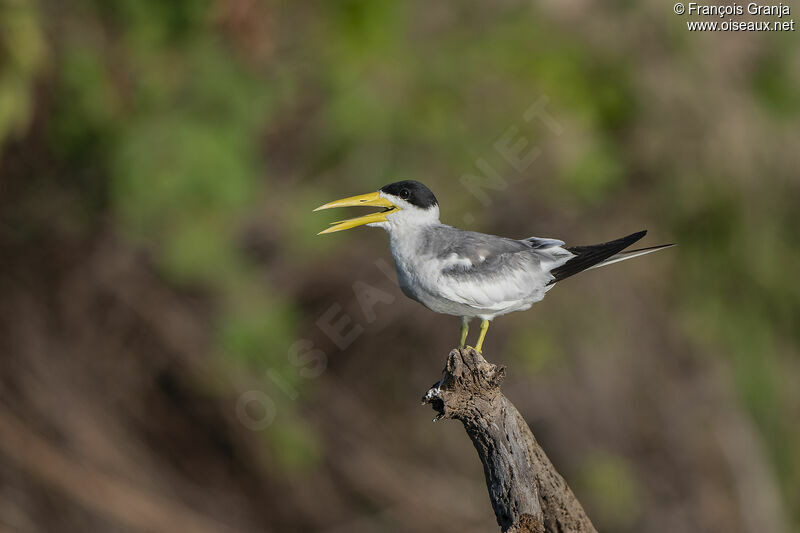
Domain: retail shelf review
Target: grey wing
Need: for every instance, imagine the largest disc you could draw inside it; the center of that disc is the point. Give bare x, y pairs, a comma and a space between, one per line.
492, 273
538, 243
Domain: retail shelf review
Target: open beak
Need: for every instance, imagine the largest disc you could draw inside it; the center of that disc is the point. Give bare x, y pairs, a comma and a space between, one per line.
364, 200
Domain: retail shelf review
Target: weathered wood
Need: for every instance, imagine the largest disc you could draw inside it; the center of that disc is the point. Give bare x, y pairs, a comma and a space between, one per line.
528, 495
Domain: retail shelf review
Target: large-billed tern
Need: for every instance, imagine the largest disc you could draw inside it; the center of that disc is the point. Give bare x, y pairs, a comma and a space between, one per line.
469, 274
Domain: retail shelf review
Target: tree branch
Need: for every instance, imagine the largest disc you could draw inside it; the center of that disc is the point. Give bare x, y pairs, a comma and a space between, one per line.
528, 495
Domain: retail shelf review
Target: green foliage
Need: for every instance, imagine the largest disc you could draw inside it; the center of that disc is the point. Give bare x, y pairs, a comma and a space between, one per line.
537, 346
86, 107
178, 142
595, 172
774, 85
22, 54
611, 490
735, 299
297, 446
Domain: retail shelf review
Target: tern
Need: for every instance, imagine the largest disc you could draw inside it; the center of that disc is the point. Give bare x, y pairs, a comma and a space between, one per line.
469, 274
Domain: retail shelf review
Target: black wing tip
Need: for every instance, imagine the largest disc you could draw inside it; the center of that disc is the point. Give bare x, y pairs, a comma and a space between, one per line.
639, 234
633, 237
588, 256
630, 239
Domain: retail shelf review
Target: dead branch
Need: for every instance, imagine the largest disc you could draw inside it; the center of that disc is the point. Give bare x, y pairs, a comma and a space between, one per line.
528, 495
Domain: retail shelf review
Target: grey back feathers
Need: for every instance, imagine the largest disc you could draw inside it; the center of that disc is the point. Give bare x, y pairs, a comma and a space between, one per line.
472, 253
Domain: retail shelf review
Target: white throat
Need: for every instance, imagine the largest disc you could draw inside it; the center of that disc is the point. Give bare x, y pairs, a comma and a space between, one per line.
411, 218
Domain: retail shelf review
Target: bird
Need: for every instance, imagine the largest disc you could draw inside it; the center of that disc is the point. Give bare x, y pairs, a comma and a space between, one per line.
466, 273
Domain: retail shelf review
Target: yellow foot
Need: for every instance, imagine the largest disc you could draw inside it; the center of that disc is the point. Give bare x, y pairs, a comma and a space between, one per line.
484, 329
473, 348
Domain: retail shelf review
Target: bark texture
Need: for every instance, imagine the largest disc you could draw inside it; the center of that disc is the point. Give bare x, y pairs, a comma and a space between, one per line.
528, 495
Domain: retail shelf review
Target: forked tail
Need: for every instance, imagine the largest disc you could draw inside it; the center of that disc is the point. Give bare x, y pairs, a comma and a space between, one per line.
597, 255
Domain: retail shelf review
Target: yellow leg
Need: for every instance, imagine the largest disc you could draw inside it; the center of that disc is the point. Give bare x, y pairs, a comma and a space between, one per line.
484, 329
464, 331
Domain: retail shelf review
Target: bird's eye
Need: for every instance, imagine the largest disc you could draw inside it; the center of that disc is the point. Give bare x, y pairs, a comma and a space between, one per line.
404, 194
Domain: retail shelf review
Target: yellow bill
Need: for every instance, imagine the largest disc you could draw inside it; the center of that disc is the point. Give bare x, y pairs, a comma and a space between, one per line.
372, 199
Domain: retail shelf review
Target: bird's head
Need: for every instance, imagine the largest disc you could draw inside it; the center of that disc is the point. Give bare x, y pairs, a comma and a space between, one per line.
404, 203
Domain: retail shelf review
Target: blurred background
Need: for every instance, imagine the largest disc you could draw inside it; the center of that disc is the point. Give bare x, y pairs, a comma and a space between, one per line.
180, 352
